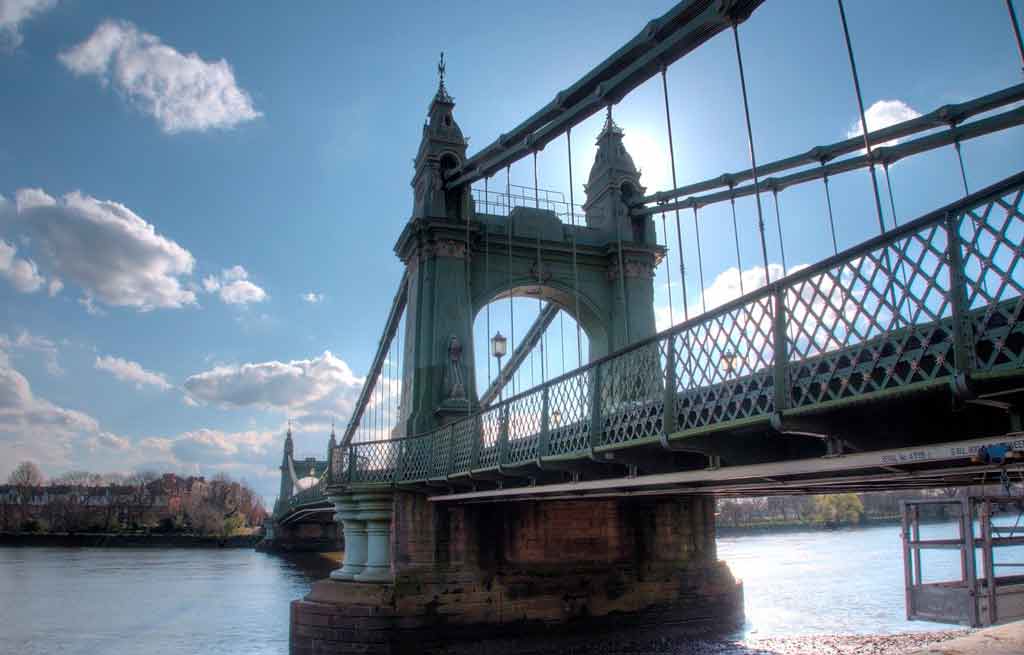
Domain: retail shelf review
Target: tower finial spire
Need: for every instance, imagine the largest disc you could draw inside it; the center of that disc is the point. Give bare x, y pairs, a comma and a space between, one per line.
442, 92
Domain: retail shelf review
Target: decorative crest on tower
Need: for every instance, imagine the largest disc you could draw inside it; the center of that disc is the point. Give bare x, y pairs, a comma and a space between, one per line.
610, 127
442, 92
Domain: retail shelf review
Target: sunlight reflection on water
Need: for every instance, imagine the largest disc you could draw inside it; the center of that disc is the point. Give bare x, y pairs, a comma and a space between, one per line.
847, 581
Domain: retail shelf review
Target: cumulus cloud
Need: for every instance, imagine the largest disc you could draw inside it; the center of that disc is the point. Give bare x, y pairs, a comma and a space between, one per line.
27, 342
234, 287
22, 274
183, 92
321, 384
313, 298
112, 254
15, 12
883, 113
128, 371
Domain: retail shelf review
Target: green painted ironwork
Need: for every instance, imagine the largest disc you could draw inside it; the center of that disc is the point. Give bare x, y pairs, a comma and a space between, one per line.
826, 334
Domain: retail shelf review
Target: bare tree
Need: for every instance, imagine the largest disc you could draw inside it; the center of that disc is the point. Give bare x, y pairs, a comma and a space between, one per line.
26, 474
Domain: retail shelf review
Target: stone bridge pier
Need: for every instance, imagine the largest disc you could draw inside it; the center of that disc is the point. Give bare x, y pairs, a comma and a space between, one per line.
422, 576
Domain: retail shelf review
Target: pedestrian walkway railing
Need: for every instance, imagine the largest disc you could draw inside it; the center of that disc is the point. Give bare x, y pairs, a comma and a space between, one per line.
937, 299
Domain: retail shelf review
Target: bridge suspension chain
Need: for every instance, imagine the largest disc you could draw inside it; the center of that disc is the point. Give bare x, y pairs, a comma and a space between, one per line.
1016, 31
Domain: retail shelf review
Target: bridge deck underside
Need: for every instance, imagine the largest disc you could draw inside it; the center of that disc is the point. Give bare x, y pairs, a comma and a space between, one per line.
861, 350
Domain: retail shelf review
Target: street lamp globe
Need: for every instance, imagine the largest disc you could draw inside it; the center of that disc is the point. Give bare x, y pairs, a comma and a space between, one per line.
499, 345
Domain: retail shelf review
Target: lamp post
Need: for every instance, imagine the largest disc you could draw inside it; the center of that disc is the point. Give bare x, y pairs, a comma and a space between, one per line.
729, 361
499, 346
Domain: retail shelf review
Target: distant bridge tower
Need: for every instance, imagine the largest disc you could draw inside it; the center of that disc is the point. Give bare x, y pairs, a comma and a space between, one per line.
287, 484
458, 260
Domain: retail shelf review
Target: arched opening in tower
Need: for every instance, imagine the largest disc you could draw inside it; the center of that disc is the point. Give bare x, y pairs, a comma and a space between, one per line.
555, 351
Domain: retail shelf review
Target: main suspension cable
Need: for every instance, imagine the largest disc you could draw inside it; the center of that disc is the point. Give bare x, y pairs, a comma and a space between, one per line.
831, 218
679, 232
700, 261
469, 315
575, 269
487, 286
622, 265
540, 273
1016, 30
963, 171
892, 200
753, 158
511, 311
736, 240
778, 224
863, 119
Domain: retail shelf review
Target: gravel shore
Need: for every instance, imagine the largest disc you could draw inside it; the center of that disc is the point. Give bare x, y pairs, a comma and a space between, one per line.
885, 644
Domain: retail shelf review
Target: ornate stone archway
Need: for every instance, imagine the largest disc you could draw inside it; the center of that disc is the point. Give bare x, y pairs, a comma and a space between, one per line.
459, 260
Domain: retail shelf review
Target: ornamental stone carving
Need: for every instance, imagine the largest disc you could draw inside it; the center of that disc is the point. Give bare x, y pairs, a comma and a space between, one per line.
634, 269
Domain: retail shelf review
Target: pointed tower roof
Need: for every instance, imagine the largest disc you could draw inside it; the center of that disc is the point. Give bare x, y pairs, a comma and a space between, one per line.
441, 132
612, 157
613, 179
334, 440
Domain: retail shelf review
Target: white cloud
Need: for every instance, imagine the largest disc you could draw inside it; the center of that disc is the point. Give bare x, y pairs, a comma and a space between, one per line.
129, 371
725, 287
214, 446
313, 298
27, 342
21, 273
323, 384
60, 439
53, 436
15, 12
112, 254
183, 92
883, 113
234, 287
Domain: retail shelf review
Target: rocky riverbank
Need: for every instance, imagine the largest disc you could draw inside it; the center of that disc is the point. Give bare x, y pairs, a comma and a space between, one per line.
890, 644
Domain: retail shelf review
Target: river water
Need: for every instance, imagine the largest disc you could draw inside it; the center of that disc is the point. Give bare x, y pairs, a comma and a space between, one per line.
100, 601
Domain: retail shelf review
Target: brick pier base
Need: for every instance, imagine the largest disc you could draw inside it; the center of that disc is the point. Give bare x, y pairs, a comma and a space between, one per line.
525, 574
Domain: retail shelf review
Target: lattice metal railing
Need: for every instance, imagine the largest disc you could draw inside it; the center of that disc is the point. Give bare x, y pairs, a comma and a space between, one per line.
937, 297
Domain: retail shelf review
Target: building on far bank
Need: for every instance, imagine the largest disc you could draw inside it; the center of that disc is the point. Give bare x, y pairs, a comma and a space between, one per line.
166, 502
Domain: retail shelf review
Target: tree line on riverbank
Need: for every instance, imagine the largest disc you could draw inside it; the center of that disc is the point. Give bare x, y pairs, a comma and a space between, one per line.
826, 510
140, 502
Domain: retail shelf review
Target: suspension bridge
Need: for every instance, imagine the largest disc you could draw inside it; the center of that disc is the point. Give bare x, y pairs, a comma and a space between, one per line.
586, 498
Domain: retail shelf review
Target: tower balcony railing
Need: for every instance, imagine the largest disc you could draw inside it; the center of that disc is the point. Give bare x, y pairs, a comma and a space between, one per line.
501, 202
938, 299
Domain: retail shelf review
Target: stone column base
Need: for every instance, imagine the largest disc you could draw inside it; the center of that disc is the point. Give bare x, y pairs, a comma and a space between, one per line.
455, 611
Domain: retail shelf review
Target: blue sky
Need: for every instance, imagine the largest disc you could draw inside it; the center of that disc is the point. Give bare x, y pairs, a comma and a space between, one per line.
181, 180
